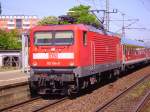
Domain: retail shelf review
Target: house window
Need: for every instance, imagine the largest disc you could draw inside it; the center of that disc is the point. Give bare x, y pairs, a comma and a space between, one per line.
10, 25
11, 20
26, 20
19, 23
26, 25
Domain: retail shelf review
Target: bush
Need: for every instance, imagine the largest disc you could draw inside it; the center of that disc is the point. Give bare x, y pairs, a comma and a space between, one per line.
9, 40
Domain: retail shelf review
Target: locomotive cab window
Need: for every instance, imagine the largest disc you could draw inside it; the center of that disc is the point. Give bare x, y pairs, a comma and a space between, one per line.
43, 38
84, 38
63, 38
54, 38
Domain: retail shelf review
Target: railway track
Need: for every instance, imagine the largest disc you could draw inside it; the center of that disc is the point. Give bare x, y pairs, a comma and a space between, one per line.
19, 104
42, 104
143, 102
49, 105
123, 93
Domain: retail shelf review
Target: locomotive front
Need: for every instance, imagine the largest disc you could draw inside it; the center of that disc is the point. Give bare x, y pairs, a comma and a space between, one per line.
52, 59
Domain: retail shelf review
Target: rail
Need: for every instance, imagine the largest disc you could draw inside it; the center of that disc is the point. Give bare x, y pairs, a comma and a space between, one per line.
109, 103
142, 102
18, 104
50, 104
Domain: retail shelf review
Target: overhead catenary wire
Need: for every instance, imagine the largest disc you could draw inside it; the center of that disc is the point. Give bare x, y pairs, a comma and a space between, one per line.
130, 23
143, 3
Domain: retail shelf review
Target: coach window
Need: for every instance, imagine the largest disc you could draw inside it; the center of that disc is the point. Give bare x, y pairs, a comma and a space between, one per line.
84, 38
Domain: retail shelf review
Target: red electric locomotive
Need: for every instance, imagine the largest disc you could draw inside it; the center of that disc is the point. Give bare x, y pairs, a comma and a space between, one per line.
67, 58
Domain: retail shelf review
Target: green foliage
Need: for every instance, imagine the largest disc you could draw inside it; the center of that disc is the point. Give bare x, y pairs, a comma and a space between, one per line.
78, 11
48, 20
4, 40
9, 40
82, 14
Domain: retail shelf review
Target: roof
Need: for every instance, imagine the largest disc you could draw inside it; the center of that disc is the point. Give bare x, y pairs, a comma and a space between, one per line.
18, 16
132, 42
147, 44
65, 27
80, 26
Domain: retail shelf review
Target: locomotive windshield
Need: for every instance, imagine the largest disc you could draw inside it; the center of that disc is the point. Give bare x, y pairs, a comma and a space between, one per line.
43, 38
54, 38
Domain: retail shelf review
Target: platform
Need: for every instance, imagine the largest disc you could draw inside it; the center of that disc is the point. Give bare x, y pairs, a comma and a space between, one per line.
12, 77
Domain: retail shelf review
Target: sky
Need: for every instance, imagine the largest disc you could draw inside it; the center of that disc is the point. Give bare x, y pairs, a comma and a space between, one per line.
133, 9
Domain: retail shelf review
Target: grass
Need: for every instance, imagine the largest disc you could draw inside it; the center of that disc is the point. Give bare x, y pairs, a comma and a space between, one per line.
138, 91
148, 109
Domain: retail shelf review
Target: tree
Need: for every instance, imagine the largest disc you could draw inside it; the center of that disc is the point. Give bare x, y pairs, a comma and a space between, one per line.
82, 14
48, 20
14, 39
9, 40
4, 40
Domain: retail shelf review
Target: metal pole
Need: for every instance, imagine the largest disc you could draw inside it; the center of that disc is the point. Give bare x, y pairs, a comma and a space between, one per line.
24, 53
107, 15
0, 9
123, 26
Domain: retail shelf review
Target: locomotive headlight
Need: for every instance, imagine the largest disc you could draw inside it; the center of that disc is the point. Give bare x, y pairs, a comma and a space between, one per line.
34, 64
71, 64
53, 49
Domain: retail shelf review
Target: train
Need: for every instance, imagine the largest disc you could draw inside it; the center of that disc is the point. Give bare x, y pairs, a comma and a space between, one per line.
65, 59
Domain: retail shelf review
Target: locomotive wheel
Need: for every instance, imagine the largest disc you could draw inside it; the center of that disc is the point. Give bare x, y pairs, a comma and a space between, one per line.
116, 74
33, 90
69, 92
110, 75
99, 78
73, 94
72, 91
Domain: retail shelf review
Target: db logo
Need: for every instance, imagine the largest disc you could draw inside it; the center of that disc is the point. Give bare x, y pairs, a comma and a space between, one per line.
53, 56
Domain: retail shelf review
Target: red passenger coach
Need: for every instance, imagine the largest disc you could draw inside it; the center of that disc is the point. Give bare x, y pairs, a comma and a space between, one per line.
135, 52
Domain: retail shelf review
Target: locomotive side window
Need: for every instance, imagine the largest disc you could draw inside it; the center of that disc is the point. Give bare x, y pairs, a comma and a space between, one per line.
63, 37
43, 38
84, 38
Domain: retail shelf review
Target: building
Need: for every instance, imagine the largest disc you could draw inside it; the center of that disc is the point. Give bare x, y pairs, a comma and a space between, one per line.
20, 22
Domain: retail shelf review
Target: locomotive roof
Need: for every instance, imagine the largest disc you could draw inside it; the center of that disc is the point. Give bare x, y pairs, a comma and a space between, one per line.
147, 44
132, 42
80, 26
93, 29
